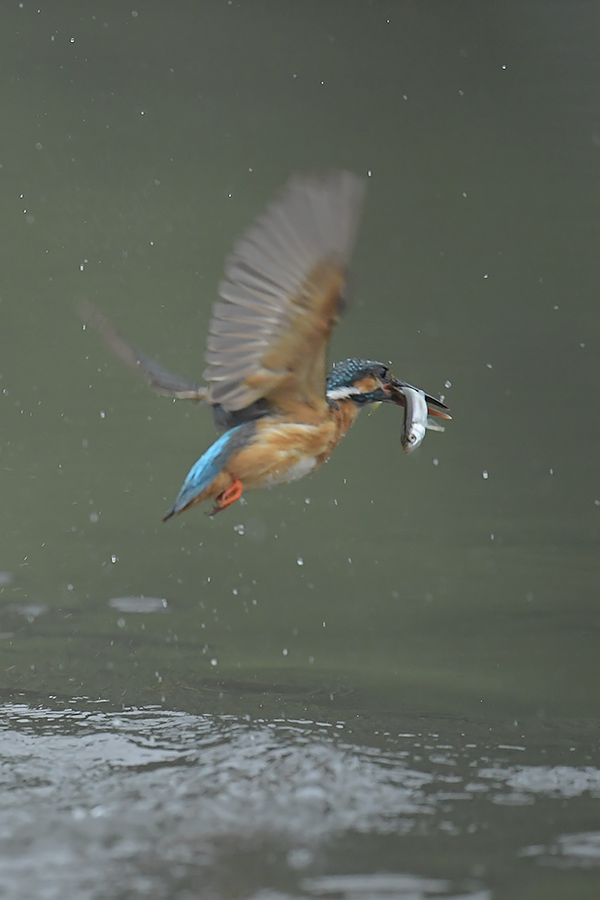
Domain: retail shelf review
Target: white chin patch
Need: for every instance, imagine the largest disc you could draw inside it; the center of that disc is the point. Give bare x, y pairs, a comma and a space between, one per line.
343, 393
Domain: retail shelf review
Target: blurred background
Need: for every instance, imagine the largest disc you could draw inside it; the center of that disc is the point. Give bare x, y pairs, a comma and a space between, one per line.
458, 585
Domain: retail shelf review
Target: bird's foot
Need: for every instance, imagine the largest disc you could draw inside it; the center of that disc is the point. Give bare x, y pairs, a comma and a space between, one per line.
231, 495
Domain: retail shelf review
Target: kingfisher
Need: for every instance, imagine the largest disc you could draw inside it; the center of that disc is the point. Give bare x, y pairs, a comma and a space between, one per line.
281, 412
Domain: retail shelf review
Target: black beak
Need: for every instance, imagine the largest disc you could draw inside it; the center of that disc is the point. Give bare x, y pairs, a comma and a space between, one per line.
435, 407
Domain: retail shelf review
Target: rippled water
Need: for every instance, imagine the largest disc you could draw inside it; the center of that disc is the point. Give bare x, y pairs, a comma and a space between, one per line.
152, 803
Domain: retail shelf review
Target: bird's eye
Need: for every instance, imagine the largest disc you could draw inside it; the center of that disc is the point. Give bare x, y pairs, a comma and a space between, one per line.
383, 370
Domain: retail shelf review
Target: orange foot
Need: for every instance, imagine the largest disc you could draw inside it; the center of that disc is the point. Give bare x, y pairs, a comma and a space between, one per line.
233, 493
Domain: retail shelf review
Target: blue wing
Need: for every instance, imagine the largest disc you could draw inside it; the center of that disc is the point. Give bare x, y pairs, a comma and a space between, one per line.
206, 469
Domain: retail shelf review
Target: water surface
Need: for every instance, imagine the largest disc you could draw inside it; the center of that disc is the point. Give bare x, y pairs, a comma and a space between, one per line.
381, 681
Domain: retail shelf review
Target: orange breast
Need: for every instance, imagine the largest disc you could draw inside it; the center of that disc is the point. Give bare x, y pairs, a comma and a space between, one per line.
283, 451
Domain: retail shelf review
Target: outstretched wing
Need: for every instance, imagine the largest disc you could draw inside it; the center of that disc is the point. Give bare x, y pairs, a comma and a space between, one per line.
160, 379
281, 297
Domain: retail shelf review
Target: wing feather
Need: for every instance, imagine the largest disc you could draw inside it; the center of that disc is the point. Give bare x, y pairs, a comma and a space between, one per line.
160, 379
280, 297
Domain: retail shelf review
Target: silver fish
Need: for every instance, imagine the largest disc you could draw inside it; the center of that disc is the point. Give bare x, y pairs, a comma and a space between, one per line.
415, 418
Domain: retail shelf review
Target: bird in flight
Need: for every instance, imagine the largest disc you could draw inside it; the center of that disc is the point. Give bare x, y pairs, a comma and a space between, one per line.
280, 410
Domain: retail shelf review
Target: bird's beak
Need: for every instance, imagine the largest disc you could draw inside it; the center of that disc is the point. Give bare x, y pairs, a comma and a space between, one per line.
437, 413
435, 407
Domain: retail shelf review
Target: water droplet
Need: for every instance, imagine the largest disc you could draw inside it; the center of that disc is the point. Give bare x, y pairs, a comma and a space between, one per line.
139, 604
300, 858
300, 561
29, 611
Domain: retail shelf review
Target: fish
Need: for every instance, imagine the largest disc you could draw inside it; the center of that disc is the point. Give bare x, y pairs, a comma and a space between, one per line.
415, 418
421, 412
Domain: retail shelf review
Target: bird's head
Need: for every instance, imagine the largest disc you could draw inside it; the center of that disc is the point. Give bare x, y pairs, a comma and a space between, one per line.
361, 380
366, 381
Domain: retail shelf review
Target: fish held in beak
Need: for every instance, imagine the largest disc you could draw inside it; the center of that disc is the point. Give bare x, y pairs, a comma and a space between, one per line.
415, 419
418, 408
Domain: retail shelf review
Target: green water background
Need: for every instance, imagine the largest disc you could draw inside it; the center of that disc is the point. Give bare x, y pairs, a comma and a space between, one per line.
459, 582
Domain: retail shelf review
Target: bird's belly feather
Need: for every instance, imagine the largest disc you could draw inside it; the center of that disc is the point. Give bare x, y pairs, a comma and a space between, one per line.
282, 452
294, 473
